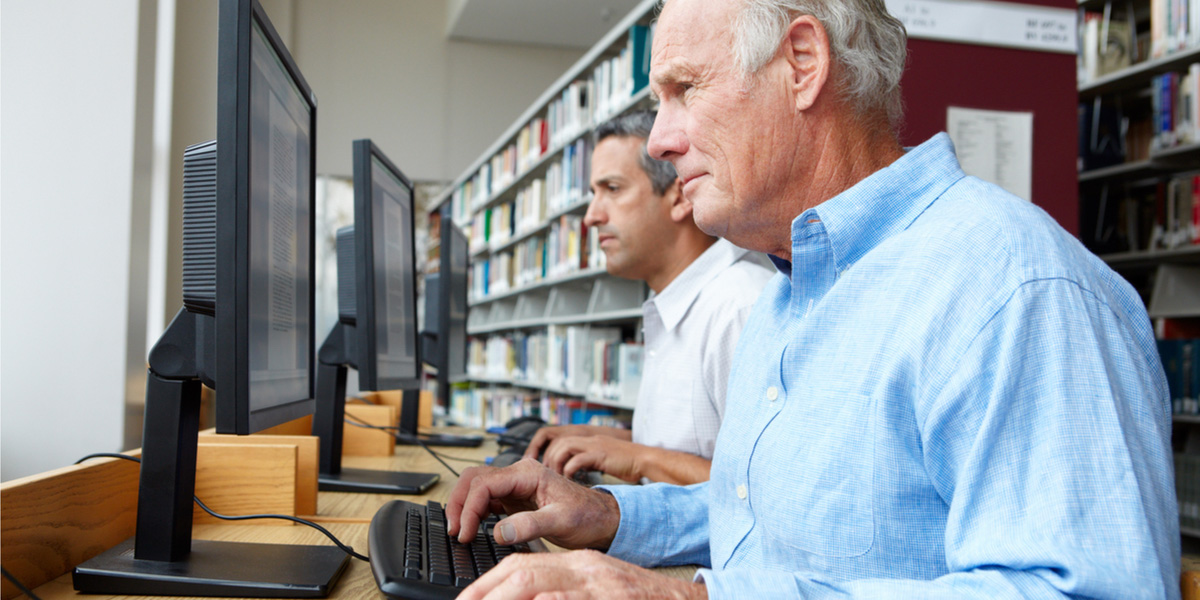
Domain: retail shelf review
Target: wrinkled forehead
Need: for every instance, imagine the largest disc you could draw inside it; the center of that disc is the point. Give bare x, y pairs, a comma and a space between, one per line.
692, 31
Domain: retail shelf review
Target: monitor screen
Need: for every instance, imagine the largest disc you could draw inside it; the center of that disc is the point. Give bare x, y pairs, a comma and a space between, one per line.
390, 360
279, 212
266, 183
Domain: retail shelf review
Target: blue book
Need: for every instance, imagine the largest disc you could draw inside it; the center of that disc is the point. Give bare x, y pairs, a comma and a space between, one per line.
639, 46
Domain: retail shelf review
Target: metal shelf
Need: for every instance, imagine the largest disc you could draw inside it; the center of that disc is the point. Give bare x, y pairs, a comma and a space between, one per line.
579, 319
590, 399
1168, 161
1186, 419
576, 276
1139, 74
1149, 259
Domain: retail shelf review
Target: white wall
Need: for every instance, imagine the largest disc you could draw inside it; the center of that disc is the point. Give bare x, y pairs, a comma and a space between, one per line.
67, 152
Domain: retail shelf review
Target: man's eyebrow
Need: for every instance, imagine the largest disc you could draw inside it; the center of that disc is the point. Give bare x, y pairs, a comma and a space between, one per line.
671, 72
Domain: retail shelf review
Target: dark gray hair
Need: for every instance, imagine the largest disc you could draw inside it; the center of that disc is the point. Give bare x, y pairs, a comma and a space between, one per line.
638, 125
868, 43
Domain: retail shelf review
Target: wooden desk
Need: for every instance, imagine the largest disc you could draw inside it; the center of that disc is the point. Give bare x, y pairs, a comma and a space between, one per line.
347, 515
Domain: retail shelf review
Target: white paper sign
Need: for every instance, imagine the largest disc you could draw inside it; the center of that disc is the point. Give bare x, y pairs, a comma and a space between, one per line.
988, 23
994, 146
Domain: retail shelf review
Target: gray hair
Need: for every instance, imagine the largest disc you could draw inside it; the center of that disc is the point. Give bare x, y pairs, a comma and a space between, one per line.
868, 43
638, 125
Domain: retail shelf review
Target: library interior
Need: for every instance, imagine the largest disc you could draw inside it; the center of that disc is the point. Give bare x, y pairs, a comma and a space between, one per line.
809, 298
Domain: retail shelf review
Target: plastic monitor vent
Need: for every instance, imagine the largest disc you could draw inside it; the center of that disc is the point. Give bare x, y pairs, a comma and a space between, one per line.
200, 228
347, 295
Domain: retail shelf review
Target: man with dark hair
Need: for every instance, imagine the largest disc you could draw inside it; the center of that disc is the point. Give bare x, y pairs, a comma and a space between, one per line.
703, 288
942, 394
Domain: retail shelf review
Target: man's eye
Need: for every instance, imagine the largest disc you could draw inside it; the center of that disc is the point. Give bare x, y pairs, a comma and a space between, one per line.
613, 188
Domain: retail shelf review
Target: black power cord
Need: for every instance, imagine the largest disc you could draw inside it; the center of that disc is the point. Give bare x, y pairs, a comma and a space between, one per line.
357, 422
20, 586
328, 534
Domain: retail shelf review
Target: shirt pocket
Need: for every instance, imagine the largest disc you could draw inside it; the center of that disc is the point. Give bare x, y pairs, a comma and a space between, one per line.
815, 463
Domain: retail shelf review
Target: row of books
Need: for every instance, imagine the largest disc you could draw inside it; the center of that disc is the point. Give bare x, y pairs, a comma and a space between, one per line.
1121, 36
1163, 216
567, 247
565, 185
1174, 26
579, 359
1114, 131
1181, 361
491, 406
591, 99
1176, 105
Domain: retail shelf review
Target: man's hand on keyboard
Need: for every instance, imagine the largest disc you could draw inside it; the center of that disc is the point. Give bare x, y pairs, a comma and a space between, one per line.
548, 434
618, 458
580, 574
540, 504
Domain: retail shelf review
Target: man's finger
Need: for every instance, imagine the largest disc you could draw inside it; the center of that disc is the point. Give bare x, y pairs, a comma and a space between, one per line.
583, 460
529, 525
540, 438
487, 485
458, 496
560, 451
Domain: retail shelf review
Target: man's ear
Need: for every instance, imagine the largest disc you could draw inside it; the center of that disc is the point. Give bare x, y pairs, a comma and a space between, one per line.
806, 48
680, 207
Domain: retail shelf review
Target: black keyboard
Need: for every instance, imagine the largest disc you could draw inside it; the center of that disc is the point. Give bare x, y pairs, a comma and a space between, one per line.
414, 558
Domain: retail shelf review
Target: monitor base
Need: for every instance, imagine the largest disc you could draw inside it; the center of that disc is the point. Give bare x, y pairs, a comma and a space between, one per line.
367, 481
441, 439
221, 569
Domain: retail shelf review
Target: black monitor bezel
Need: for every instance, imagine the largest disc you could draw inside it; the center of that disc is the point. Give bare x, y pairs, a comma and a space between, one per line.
234, 413
367, 292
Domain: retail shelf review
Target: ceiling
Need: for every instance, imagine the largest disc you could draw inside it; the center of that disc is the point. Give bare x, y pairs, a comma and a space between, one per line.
564, 23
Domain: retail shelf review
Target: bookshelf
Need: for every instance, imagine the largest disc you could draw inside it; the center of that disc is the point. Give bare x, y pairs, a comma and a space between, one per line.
1139, 188
538, 286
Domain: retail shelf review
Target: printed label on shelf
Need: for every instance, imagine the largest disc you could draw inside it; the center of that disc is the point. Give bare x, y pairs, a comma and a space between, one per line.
988, 23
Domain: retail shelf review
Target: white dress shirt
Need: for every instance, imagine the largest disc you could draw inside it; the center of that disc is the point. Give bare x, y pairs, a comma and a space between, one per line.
690, 331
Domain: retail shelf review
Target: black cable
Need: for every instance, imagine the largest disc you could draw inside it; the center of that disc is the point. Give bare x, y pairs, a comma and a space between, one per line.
109, 455
347, 549
357, 422
328, 534
20, 586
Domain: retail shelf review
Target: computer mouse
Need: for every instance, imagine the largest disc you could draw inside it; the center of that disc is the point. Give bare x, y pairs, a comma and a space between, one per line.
526, 419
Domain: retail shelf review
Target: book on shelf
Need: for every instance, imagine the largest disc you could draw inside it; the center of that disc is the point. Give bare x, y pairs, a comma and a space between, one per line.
1174, 26
1181, 363
1106, 45
492, 406
581, 346
589, 361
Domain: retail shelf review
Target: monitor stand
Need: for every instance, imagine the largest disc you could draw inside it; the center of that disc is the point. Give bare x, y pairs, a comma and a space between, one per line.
162, 559
329, 421
408, 436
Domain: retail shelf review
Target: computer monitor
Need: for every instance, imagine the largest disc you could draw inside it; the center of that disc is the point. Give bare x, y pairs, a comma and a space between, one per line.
245, 328
376, 332
444, 340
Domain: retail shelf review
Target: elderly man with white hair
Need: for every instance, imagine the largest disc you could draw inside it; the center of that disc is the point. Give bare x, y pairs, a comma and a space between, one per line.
941, 394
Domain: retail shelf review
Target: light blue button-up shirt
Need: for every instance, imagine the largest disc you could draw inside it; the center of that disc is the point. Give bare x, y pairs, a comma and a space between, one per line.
943, 396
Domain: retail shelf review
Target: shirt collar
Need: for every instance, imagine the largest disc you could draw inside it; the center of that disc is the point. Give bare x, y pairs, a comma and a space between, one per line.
888, 201
679, 295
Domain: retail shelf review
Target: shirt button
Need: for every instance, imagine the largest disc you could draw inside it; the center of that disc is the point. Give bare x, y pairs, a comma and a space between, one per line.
741, 492
772, 393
